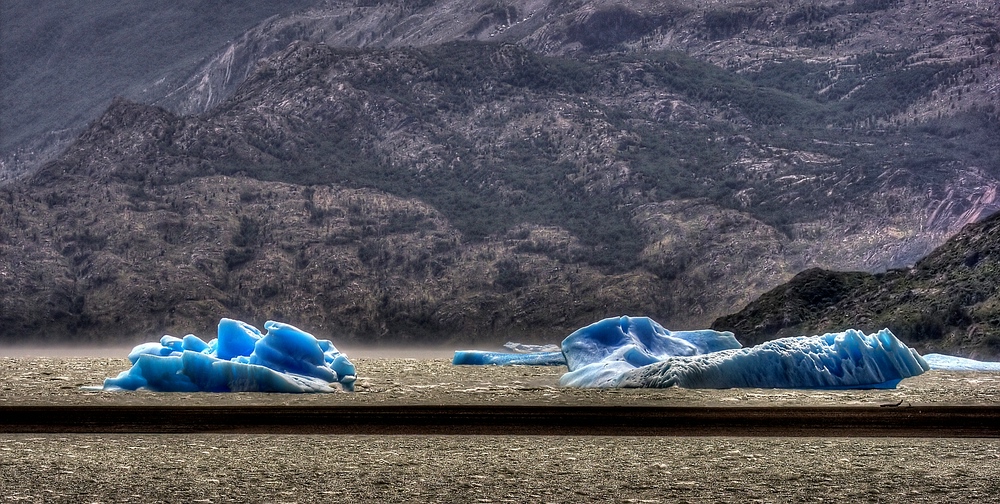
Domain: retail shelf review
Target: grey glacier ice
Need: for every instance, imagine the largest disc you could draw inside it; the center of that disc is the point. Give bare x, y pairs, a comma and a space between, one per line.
638, 352
240, 359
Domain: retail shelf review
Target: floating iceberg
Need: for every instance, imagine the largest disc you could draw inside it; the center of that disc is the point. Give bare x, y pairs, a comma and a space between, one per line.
528, 348
638, 341
521, 354
483, 358
941, 362
638, 352
240, 359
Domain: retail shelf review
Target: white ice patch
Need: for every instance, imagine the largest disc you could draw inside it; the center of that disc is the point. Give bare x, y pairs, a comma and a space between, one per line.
526, 348
941, 362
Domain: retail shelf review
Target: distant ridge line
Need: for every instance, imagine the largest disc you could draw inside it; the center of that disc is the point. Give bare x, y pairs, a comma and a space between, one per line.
821, 421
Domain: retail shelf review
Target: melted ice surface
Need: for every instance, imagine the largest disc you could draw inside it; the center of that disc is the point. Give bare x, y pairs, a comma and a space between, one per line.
240, 359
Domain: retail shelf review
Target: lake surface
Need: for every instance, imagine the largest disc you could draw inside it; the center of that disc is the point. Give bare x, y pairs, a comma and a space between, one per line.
61, 380
420, 468
274, 468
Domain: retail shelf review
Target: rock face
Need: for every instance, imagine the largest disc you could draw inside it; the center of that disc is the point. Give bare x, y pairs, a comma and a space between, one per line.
947, 302
495, 190
63, 64
189, 58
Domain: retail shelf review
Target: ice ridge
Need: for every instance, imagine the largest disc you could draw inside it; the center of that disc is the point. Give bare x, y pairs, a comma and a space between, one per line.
240, 359
638, 352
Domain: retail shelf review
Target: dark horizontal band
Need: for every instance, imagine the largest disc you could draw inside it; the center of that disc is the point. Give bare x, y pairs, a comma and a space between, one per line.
861, 421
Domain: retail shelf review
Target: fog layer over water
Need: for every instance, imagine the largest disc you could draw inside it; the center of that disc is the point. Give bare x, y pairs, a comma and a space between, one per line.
121, 350
62, 351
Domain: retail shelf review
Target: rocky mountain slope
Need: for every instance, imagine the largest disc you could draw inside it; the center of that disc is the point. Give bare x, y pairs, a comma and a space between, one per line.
62, 63
735, 34
492, 190
62, 66
948, 301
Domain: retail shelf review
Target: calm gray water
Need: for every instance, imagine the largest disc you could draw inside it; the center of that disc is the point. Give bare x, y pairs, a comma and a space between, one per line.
276, 468
60, 380
306, 469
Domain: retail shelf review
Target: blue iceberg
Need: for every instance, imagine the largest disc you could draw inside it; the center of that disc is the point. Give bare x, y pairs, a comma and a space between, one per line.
240, 359
638, 341
520, 354
484, 358
940, 362
638, 352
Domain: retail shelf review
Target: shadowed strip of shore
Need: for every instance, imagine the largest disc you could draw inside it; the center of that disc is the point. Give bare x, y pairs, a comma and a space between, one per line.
864, 421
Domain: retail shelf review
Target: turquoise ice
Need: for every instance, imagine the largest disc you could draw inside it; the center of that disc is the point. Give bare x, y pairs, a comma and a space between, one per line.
240, 359
485, 358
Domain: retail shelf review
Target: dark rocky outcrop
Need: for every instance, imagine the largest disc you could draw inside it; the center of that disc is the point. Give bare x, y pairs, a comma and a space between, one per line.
947, 302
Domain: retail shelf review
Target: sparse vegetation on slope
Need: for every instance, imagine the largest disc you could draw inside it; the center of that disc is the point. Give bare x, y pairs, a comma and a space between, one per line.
527, 188
949, 301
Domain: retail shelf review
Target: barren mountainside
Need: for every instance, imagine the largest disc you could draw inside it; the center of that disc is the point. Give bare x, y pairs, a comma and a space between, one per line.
418, 171
947, 302
63, 65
